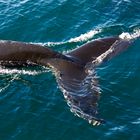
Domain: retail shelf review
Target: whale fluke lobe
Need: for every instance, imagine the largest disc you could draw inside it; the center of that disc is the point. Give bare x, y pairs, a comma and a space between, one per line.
20, 53
74, 71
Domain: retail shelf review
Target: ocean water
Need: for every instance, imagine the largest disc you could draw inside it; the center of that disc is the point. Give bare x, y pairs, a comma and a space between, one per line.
32, 106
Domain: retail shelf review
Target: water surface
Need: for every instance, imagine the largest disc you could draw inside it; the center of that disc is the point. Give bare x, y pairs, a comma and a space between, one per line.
31, 104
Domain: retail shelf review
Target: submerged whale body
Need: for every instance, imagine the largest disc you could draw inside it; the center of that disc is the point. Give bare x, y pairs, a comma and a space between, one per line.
74, 71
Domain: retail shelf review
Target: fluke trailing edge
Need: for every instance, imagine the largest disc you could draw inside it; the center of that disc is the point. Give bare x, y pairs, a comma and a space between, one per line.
74, 71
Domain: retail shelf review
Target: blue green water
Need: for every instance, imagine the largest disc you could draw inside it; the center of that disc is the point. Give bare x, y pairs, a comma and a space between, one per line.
31, 105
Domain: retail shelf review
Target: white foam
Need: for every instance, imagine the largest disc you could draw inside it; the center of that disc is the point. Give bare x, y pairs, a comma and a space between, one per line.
50, 43
16, 71
3, 41
130, 36
85, 37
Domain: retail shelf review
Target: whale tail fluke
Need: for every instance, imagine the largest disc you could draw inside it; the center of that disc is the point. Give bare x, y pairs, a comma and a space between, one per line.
116, 48
80, 88
13, 53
